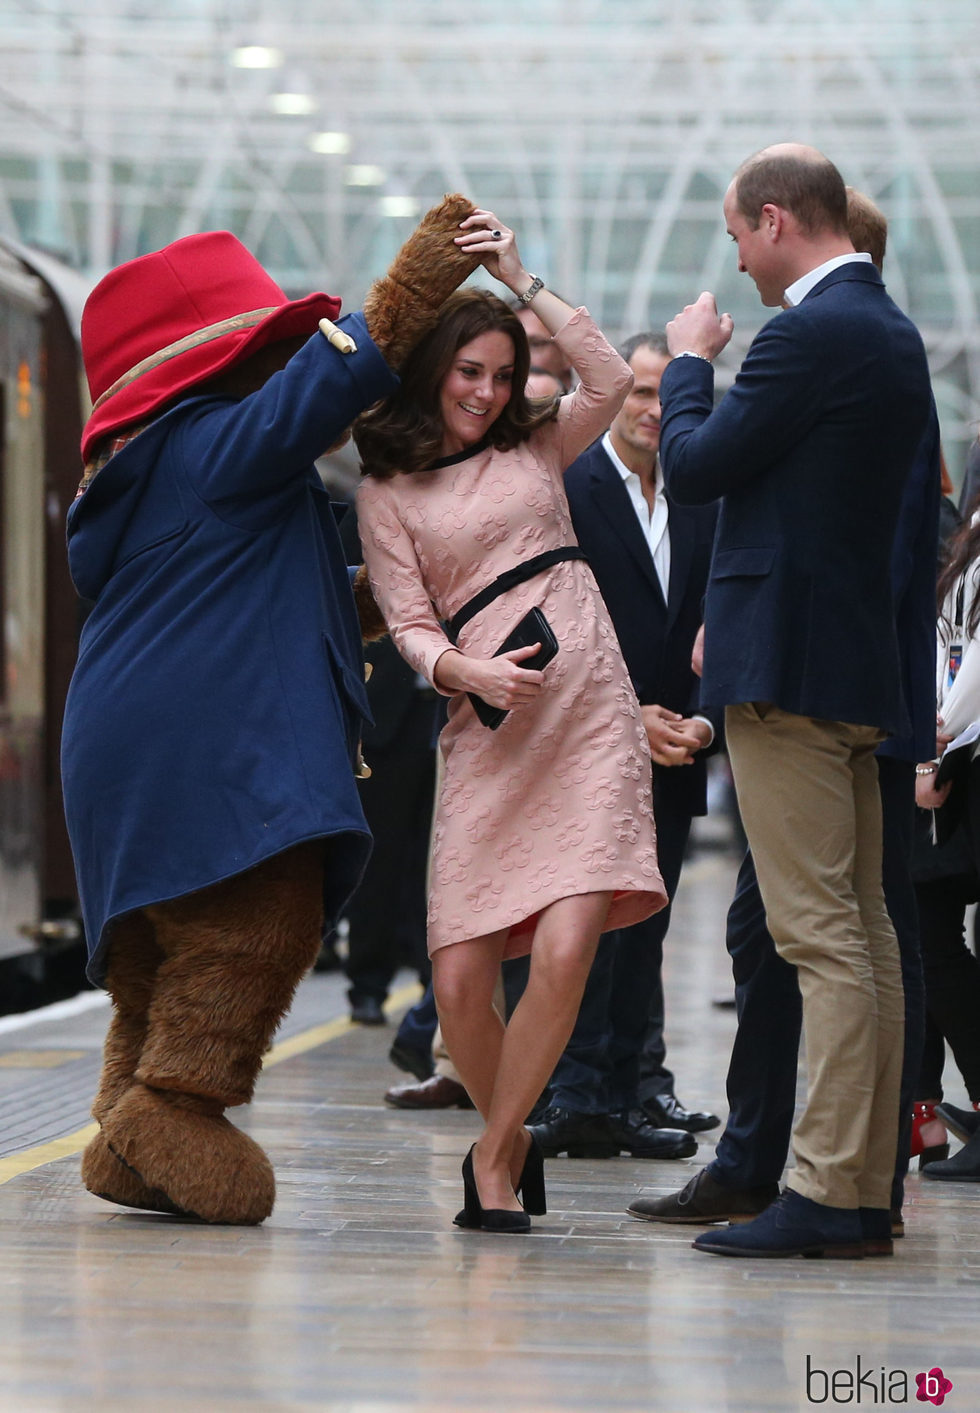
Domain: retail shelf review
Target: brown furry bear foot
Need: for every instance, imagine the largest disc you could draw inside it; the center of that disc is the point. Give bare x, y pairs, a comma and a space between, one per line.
183, 1147
108, 1177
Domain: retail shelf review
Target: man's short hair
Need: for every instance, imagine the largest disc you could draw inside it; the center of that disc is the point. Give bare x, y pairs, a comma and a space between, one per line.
654, 341
866, 226
811, 188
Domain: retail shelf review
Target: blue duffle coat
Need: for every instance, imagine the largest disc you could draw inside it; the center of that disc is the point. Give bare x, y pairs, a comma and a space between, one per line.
215, 710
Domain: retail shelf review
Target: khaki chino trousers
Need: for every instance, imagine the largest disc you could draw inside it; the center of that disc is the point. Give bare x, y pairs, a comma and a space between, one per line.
808, 794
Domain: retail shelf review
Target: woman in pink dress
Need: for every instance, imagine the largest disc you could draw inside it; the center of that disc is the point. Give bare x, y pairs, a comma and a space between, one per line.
544, 833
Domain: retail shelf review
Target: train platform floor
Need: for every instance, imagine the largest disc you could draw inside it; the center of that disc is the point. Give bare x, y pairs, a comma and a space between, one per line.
360, 1296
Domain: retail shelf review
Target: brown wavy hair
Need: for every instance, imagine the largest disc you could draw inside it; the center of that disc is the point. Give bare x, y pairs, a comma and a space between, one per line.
404, 432
961, 552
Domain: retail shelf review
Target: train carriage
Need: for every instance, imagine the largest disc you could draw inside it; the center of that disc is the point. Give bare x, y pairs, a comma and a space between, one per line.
43, 404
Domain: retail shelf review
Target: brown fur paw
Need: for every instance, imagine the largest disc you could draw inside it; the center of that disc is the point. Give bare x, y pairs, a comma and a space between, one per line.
200, 1162
402, 306
108, 1177
369, 614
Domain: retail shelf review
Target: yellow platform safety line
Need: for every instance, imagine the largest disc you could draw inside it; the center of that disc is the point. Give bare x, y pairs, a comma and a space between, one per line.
31, 1158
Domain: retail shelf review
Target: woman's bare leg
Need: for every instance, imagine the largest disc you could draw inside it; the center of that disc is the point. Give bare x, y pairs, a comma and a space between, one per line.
464, 977
565, 942
509, 1068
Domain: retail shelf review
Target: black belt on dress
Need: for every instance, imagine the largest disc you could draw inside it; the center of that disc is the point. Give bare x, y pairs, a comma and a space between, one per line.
508, 580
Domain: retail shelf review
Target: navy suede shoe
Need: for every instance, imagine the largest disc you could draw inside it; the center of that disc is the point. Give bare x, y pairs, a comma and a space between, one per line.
792, 1226
876, 1231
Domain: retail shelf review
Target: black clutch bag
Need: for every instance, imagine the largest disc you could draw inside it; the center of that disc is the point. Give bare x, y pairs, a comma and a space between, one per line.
533, 628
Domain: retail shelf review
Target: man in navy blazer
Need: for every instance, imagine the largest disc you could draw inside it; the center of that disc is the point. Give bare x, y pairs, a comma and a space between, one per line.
650, 559
810, 451
743, 1177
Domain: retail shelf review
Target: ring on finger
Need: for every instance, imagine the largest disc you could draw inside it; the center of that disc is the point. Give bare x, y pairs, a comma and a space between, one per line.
496, 235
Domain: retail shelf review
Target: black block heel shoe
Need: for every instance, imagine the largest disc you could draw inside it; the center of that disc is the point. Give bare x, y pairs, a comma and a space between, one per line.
530, 1186
495, 1219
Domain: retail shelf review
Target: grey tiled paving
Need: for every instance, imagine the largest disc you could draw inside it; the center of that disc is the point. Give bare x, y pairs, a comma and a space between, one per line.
359, 1295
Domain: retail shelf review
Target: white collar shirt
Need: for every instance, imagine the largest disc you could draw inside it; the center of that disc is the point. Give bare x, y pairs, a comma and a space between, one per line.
654, 525
799, 289
653, 522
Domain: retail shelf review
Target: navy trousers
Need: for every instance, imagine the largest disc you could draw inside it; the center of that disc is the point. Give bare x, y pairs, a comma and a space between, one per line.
418, 1024
386, 915
599, 1071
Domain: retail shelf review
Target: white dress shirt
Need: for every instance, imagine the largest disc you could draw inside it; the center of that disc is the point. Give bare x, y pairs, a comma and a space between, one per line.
653, 522
799, 289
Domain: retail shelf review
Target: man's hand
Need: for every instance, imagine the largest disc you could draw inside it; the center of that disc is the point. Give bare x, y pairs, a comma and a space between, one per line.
674, 739
927, 797
942, 737
699, 329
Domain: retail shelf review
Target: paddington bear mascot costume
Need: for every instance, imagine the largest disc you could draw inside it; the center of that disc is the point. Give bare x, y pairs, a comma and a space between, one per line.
212, 726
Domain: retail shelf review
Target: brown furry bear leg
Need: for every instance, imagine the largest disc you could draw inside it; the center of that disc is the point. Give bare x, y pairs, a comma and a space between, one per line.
234, 955
107, 1176
211, 1169
133, 962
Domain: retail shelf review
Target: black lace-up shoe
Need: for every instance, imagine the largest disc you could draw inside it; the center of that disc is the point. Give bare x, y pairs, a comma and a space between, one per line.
636, 1135
579, 1135
667, 1111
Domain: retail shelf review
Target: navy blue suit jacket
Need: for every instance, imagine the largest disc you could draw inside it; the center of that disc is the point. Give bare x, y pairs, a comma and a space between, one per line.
656, 636
810, 450
914, 586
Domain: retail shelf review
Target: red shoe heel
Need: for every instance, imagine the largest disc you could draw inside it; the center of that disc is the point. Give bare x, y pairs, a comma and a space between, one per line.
929, 1139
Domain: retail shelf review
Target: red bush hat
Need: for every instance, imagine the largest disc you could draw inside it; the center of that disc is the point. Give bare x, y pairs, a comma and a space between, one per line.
161, 323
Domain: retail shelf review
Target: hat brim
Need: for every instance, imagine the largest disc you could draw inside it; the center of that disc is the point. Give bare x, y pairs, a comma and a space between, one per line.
151, 391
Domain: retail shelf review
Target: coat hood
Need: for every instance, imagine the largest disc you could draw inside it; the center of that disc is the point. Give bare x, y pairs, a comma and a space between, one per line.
106, 515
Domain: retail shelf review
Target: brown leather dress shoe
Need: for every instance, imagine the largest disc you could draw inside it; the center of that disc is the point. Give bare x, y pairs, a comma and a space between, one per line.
437, 1092
704, 1201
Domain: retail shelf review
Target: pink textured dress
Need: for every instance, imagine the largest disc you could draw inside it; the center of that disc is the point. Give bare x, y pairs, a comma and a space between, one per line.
558, 800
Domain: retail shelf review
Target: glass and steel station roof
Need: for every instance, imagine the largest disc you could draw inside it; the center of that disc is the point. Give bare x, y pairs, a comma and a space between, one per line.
604, 131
